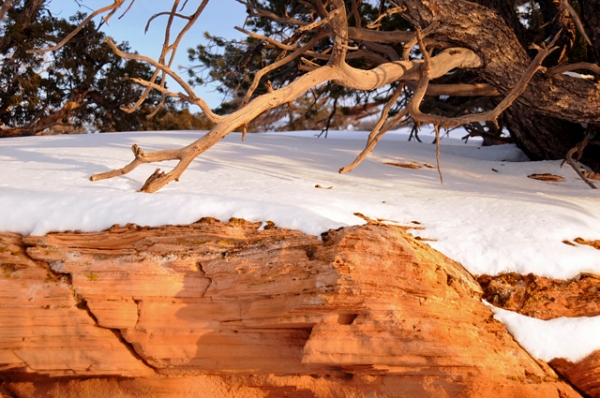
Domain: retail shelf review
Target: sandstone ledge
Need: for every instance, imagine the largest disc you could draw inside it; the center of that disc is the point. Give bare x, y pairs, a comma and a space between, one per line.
228, 309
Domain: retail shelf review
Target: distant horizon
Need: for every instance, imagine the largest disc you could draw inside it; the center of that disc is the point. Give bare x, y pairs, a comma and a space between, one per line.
131, 29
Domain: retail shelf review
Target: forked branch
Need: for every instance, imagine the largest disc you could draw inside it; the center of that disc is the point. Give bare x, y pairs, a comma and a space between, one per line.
329, 20
578, 151
493, 115
111, 9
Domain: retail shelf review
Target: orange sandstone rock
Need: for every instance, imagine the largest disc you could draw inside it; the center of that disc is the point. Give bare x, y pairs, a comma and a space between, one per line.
546, 298
227, 309
543, 298
43, 329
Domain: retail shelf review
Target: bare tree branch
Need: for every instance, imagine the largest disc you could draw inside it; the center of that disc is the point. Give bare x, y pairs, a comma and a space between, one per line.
111, 9
534, 67
298, 52
565, 4
191, 94
377, 132
4, 9
569, 67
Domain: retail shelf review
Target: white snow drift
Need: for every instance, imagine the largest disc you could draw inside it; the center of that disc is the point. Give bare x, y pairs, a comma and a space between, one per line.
487, 215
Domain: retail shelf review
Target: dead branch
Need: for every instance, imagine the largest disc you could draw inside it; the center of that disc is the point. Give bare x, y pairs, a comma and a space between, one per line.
534, 67
438, 152
319, 23
225, 126
265, 38
191, 94
391, 72
111, 9
390, 11
4, 9
425, 69
565, 5
298, 52
458, 90
171, 48
569, 67
377, 133
579, 151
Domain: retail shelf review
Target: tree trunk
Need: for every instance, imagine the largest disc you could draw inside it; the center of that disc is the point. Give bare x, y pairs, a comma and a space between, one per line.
541, 137
489, 29
590, 16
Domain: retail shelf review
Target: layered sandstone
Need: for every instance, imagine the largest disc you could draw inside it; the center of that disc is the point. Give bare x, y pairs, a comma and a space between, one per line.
231, 309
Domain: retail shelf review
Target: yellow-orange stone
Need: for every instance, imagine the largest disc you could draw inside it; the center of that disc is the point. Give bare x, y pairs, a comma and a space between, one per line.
229, 310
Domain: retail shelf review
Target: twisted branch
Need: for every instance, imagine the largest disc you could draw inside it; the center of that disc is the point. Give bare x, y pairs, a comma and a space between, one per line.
191, 94
520, 87
111, 9
579, 151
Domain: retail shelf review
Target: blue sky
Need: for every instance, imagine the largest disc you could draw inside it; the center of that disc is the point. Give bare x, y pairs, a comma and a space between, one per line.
219, 18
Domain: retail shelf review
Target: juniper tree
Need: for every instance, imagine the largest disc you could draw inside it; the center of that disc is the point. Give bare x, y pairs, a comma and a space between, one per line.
520, 57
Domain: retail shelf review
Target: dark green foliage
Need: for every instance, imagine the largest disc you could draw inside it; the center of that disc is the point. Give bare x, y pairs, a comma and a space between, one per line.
83, 84
234, 64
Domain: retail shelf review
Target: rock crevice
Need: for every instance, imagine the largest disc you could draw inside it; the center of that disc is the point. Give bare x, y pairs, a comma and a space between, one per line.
234, 308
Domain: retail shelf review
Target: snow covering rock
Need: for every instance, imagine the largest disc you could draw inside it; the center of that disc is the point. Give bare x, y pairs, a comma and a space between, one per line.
487, 215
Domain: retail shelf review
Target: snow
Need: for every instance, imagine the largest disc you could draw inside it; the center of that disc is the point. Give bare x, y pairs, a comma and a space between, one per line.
487, 215
578, 75
569, 338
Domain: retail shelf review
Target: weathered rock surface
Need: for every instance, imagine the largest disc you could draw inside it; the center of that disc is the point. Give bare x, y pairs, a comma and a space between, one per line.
228, 309
546, 298
543, 298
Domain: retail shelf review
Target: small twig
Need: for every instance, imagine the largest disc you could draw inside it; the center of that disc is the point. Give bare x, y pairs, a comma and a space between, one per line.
295, 54
160, 14
575, 17
569, 159
258, 12
191, 94
127, 10
377, 132
394, 10
408, 46
5, 7
329, 119
113, 7
437, 151
569, 67
318, 23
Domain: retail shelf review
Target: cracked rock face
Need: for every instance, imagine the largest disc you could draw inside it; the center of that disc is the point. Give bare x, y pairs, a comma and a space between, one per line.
226, 309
